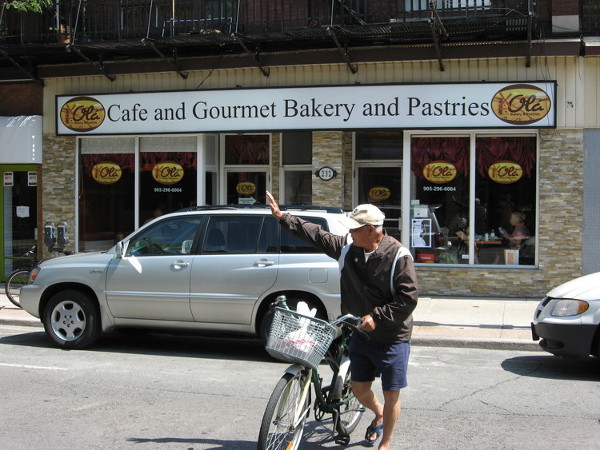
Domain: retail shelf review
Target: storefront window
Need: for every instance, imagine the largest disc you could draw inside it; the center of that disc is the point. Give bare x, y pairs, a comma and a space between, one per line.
473, 199
297, 163
106, 191
439, 219
506, 190
167, 175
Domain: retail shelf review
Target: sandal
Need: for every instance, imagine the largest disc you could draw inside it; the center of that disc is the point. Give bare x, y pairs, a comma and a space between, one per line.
373, 430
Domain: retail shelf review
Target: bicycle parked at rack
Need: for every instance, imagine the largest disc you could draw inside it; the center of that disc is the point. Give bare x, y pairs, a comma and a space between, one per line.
20, 276
305, 341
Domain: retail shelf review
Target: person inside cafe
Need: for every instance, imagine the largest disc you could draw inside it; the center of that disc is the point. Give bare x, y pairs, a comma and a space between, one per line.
520, 231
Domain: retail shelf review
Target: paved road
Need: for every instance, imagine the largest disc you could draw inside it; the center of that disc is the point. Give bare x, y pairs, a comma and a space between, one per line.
150, 391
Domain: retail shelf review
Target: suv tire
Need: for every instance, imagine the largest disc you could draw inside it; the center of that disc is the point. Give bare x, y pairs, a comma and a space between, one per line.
72, 319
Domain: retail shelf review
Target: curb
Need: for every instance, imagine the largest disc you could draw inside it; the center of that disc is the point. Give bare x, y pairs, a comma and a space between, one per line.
486, 344
420, 341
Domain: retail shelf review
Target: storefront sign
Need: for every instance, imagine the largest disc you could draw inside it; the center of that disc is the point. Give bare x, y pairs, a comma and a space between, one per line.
106, 173
379, 193
439, 172
245, 188
505, 172
167, 172
468, 105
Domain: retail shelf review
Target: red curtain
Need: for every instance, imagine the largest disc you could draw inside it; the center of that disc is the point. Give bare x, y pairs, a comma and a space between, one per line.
187, 160
454, 150
491, 150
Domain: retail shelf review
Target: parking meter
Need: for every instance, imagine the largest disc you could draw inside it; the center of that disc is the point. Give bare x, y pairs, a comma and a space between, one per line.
49, 234
62, 238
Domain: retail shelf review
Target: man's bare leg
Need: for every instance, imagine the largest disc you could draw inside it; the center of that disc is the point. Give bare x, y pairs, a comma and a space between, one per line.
365, 395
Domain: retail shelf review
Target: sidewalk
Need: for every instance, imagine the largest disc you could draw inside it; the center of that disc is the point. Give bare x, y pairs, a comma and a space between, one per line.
444, 322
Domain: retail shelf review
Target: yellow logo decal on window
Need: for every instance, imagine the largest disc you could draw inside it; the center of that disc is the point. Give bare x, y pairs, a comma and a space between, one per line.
245, 188
82, 114
521, 104
505, 172
379, 193
167, 172
439, 172
106, 172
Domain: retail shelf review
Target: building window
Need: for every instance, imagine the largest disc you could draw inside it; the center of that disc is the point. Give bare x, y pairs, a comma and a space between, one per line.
296, 157
106, 191
473, 199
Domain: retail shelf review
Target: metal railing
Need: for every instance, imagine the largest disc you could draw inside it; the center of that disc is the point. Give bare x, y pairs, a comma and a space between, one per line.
118, 20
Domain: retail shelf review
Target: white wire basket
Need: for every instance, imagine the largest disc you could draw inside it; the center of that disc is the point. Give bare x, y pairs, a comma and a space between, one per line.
298, 338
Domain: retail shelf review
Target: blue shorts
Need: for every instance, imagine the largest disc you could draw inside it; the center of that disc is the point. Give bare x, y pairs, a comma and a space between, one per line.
371, 359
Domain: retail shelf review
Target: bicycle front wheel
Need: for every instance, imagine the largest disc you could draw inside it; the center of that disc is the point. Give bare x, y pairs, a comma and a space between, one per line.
16, 280
284, 419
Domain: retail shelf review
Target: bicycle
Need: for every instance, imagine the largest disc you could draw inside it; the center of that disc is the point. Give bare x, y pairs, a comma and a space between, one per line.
20, 276
305, 341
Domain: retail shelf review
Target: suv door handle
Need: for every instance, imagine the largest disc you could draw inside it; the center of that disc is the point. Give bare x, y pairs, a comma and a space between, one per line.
264, 263
178, 265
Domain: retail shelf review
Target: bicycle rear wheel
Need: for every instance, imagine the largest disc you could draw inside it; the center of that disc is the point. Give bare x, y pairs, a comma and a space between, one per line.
17, 279
278, 430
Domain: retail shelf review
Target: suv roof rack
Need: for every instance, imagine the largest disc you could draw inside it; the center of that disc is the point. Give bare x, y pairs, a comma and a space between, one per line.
327, 209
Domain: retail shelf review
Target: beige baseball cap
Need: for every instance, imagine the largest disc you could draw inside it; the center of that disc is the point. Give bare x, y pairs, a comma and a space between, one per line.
362, 215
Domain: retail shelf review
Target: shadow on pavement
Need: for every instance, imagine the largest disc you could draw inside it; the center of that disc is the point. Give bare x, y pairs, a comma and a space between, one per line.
152, 343
553, 367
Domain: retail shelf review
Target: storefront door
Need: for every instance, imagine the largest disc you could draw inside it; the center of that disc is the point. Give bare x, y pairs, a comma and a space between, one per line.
19, 210
381, 186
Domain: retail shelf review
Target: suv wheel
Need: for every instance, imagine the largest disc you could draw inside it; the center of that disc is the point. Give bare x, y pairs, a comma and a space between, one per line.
71, 319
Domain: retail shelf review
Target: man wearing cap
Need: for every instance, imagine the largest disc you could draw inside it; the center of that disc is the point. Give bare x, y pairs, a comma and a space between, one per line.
378, 282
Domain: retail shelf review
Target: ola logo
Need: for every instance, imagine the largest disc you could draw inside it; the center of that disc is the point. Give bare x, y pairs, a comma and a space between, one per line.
167, 172
379, 193
521, 104
439, 172
505, 172
245, 188
82, 114
106, 172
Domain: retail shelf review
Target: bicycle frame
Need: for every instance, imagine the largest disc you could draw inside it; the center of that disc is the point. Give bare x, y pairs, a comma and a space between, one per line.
339, 362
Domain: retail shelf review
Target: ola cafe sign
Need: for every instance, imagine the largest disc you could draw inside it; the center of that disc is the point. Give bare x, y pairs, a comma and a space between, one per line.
379, 193
106, 172
427, 105
505, 172
439, 172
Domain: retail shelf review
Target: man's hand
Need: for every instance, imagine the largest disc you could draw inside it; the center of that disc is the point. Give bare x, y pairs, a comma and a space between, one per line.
368, 323
274, 206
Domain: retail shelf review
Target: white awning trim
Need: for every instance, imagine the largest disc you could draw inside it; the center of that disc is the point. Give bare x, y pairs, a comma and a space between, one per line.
21, 140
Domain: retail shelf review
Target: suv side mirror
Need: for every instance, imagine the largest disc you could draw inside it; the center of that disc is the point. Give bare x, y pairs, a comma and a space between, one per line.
119, 249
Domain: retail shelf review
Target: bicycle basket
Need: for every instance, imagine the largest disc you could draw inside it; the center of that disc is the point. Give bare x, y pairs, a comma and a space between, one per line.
299, 339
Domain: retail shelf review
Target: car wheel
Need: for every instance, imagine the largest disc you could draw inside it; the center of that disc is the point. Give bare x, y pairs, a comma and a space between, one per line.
292, 302
71, 319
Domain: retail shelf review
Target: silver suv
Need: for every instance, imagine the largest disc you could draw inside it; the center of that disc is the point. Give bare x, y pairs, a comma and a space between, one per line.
207, 268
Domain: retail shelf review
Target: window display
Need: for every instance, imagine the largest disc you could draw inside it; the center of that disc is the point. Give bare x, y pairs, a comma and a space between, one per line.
473, 199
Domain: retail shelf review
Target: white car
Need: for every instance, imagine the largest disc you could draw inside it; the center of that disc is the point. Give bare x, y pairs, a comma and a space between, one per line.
567, 320
208, 268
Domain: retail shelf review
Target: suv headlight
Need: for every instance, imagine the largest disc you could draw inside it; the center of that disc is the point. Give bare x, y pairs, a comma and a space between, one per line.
565, 308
